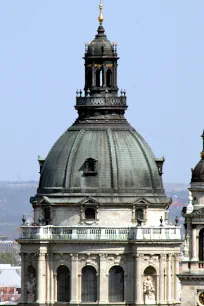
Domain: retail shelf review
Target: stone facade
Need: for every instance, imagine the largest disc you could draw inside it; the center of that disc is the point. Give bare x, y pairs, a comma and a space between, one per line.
134, 260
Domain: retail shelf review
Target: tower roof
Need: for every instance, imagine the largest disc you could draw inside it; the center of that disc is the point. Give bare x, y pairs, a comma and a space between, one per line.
198, 171
100, 46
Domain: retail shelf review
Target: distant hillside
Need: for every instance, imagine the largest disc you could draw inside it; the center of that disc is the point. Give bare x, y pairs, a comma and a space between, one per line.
15, 196
14, 202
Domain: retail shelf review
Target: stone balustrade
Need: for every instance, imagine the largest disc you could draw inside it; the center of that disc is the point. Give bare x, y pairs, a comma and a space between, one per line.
51, 232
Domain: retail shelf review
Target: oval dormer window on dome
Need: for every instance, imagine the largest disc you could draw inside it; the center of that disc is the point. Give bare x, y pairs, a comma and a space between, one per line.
90, 166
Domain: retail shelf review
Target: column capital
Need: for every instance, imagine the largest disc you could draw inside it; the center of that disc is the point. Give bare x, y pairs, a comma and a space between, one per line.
103, 257
138, 256
41, 256
74, 257
177, 256
169, 258
163, 257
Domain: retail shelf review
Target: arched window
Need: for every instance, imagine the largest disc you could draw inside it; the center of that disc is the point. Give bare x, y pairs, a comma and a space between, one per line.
63, 284
99, 78
201, 245
89, 285
89, 79
116, 284
90, 213
109, 78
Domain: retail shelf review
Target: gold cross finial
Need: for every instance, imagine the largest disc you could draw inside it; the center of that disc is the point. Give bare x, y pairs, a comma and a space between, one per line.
101, 18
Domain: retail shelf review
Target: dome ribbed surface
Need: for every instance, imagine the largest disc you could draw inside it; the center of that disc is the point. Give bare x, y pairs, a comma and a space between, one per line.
100, 45
124, 162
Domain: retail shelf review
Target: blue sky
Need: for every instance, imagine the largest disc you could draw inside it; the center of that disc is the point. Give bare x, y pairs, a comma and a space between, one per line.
161, 48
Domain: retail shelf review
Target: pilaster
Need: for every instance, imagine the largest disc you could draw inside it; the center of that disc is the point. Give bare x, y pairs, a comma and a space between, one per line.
161, 277
51, 279
74, 279
48, 297
176, 279
103, 280
138, 280
194, 244
169, 279
41, 276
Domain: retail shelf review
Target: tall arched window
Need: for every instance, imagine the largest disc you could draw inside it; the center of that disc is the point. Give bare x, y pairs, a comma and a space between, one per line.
63, 284
89, 79
116, 284
89, 285
201, 245
99, 78
109, 78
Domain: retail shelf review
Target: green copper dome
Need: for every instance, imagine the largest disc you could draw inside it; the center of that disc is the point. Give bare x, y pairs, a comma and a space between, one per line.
124, 162
101, 155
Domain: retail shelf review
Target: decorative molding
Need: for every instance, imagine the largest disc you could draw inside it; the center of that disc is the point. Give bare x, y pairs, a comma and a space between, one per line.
151, 258
74, 257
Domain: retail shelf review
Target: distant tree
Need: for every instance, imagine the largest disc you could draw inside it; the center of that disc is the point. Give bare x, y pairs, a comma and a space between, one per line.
8, 258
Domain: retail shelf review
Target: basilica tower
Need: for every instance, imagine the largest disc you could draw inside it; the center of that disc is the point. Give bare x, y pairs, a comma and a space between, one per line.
192, 275
100, 233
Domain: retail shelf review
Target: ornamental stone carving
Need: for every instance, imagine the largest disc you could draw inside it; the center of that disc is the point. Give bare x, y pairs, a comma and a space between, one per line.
31, 288
149, 290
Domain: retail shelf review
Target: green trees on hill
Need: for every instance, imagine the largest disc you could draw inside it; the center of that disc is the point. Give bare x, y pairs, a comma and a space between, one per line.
9, 258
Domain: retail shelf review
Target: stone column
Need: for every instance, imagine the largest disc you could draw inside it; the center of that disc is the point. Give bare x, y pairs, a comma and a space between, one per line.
129, 289
93, 76
176, 279
52, 299
104, 83
74, 279
138, 280
189, 236
23, 278
48, 278
103, 280
161, 278
169, 279
55, 286
194, 243
41, 277
133, 213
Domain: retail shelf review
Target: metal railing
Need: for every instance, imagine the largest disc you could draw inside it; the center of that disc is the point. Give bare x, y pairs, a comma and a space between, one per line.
96, 101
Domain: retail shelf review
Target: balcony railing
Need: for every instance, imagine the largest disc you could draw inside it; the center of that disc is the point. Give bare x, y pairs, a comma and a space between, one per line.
100, 233
105, 101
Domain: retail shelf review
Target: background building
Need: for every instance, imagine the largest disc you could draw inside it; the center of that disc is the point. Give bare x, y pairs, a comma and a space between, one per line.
100, 232
10, 284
